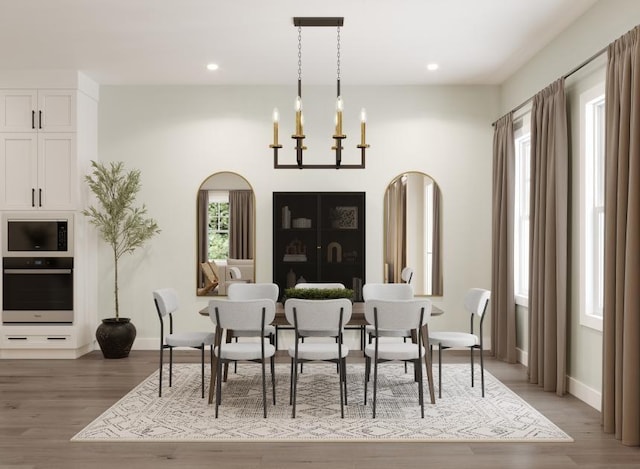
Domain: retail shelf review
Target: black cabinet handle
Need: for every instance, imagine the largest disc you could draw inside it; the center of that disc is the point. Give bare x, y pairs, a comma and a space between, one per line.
33, 197
39, 119
33, 119
39, 197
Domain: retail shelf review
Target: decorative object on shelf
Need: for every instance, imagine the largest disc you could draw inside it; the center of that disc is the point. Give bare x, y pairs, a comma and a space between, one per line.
296, 251
357, 289
318, 293
344, 218
291, 279
125, 228
299, 135
286, 218
301, 223
334, 252
350, 257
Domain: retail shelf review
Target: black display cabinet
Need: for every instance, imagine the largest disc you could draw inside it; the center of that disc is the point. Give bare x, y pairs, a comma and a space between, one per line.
319, 237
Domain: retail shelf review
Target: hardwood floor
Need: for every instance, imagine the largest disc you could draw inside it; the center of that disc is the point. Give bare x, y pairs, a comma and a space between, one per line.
43, 403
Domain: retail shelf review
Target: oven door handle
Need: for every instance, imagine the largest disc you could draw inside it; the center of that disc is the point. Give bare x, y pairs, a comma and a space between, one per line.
38, 271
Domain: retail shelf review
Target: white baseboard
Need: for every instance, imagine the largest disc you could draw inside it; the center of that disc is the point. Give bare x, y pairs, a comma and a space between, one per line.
576, 388
585, 393
522, 356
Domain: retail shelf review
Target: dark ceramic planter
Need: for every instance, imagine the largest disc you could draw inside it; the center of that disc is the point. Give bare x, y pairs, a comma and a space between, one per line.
116, 337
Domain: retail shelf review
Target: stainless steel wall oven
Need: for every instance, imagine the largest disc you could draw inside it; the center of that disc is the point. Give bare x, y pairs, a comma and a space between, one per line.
37, 268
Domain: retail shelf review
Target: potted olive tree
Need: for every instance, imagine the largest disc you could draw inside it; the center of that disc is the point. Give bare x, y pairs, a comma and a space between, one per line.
125, 228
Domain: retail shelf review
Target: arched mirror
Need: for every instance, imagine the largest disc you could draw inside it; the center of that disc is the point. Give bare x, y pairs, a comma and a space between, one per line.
225, 233
412, 219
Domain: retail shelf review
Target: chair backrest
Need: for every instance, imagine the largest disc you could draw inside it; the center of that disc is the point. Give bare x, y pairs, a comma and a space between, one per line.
253, 291
234, 273
318, 315
387, 291
321, 286
166, 300
407, 274
242, 315
476, 300
398, 314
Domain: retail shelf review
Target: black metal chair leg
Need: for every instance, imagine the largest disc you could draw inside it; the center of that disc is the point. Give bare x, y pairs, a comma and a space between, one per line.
375, 385
218, 385
339, 363
273, 379
202, 366
160, 373
344, 379
440, 371
482, 370
366, 377
472, 374
291, 384
295, 386
418, 366
264, 388
170, 365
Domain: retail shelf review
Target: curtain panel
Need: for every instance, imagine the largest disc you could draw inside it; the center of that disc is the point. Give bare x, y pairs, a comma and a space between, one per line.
621, 325
396, 225
203, 234
241, 229
548, 231
503, 324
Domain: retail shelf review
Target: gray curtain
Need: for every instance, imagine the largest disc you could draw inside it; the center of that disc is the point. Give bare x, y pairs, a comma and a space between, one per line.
548, 239
621, 333
503, 324
241, 227
203, 231
396, 224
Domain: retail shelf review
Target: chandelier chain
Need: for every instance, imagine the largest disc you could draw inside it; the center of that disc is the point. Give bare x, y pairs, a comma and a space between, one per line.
299, 53
338, 51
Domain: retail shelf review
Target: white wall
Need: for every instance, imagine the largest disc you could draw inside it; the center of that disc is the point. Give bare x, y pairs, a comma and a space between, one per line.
178, 136
601, 25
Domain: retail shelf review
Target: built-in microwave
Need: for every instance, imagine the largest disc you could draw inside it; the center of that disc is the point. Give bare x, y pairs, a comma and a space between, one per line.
31, 234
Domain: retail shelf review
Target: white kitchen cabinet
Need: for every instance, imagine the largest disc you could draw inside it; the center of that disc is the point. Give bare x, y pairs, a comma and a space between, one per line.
38, 171
37, 110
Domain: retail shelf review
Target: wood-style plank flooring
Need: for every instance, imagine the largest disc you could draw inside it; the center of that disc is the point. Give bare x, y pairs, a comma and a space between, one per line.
43, 403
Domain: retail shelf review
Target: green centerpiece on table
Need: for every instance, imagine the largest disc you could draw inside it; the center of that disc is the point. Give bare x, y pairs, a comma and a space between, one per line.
318, 293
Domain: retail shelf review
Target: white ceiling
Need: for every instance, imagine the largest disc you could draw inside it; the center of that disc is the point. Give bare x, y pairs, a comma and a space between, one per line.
255, 42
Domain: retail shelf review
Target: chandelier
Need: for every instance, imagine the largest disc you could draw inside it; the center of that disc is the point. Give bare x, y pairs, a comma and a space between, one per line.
338, 135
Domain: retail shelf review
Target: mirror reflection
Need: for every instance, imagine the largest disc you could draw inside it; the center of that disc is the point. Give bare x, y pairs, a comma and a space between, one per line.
225, 233
412, 219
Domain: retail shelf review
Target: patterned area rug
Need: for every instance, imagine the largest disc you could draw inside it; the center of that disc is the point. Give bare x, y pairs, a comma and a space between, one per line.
461, 415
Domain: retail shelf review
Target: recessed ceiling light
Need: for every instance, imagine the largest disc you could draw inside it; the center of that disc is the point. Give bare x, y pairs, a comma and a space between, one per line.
432, 67
212, 67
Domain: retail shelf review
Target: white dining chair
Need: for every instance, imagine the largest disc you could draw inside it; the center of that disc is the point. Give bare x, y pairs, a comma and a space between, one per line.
476, 301
244, 316
167, 304
387, 291
410, 314
318, 318
406, 274
251, 291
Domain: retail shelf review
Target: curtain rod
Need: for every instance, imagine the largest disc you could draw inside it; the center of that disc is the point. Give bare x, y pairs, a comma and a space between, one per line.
565, 76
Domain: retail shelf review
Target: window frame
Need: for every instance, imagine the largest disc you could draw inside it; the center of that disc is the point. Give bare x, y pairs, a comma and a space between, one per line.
522, 170
591, 242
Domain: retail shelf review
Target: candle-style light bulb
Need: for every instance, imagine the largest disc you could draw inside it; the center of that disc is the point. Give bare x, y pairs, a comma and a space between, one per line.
276, 117
298, 108
339, 108
363, 127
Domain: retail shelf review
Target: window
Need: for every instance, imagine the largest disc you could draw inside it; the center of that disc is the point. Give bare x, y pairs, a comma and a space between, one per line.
592, 206
218, 229
522, 137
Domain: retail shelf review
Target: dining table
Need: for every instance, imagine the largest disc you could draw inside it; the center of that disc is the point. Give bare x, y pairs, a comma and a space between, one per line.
357, 320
